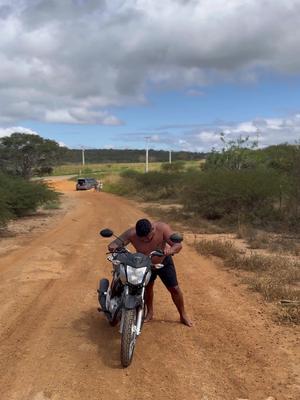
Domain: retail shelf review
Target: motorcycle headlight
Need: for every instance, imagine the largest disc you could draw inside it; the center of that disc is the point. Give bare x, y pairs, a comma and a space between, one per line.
135, 276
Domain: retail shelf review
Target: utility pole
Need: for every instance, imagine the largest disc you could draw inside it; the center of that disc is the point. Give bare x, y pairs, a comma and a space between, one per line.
82, 153
170, 156
147, 151
257, 136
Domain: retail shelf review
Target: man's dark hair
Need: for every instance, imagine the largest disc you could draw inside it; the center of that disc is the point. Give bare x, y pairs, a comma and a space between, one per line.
143, 227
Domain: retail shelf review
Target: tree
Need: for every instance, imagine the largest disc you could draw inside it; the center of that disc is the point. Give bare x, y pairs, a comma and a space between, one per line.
25, 154
236, 154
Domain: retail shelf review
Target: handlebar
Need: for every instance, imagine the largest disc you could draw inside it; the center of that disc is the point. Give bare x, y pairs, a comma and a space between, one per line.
119, 250
155, 253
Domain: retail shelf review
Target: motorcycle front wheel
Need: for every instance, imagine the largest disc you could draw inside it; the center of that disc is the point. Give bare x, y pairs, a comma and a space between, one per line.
128, 338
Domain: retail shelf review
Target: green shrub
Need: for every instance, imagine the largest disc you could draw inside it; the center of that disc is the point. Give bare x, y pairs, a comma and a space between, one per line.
129, 173
154, 185
20, 197
232, 194
177, 166
4, 210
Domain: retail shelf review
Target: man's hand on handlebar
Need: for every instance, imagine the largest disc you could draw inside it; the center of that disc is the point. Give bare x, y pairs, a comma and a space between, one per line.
168, 251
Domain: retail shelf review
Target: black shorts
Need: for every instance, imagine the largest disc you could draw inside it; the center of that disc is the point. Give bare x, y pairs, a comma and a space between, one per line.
167, 273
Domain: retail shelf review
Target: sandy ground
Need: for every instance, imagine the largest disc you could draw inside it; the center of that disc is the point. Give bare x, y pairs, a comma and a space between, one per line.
54, 345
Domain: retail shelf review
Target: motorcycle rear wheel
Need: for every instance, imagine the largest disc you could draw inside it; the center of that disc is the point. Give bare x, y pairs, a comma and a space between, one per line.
128, 338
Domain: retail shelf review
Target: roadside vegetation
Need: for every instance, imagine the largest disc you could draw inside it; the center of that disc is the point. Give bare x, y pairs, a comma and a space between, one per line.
116, 156
23, 156
242, 190
239, 186
19, 197
99, 170
277, 278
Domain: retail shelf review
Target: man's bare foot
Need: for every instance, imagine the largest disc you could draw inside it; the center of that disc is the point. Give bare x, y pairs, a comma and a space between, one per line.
149, 316
186, 321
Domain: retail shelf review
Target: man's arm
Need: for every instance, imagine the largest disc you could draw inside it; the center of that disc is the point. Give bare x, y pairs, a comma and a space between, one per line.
122, 241
173, 248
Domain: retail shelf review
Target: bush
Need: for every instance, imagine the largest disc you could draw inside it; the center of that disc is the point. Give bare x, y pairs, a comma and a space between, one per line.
154, 185
129, 173
233, 194
4, 209
20, 197
177, 166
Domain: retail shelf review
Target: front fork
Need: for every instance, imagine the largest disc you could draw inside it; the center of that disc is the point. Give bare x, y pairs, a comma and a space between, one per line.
140, 313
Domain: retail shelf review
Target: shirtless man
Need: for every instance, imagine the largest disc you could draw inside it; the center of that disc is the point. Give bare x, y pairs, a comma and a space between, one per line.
147, 237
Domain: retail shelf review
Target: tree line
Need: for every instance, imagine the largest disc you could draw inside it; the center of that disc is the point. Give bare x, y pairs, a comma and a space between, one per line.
29, 155
95, 156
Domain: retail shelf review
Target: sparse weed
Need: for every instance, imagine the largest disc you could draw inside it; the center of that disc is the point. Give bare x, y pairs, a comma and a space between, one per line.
219, 248
271, 289
246, 232
289, 315
52, 205
256, 239
285, 245
276, 278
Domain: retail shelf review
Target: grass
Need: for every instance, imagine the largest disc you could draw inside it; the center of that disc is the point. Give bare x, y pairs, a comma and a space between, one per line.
115, 168
274, 277
182, 218
219, 248
285, 245
52, 205
258, 239
79, 169
289, 315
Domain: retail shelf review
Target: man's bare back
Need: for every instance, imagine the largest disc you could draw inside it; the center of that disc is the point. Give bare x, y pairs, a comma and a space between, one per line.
157, 239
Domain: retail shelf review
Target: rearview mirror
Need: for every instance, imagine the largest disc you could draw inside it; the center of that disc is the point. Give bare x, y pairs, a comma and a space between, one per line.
176, 237
106, 233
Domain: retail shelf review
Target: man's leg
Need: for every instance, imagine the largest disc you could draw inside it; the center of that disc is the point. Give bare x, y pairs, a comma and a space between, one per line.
149, 294
177, 298
168, 276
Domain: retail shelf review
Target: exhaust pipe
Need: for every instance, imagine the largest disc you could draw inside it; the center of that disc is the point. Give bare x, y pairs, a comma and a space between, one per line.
102, 291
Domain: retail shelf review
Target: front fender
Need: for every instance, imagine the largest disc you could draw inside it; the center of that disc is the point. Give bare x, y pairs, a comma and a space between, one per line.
131, 302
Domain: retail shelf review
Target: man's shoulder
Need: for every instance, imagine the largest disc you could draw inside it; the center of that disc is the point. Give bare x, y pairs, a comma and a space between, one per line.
162, 226
129, 233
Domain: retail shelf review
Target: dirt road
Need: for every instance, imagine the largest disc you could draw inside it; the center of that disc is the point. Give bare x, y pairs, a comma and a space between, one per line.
54, 344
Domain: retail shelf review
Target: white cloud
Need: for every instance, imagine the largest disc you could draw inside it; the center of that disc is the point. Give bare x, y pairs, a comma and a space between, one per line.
14, 129
203, 138
267, 131
78, 115
61, 57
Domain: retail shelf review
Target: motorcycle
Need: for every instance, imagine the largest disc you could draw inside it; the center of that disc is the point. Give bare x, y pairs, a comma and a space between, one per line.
124, 299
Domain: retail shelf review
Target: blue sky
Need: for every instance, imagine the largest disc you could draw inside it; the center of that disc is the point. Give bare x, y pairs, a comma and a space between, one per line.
105, 74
